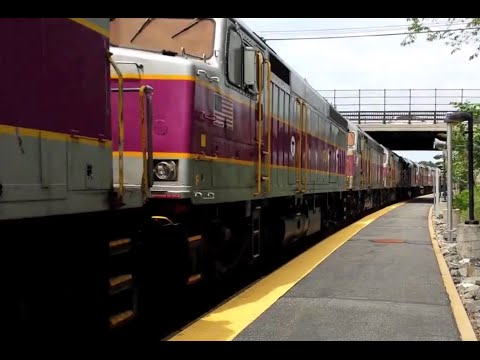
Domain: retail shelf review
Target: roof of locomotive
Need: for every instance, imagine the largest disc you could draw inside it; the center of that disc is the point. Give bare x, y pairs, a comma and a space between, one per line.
333, 114
385, 149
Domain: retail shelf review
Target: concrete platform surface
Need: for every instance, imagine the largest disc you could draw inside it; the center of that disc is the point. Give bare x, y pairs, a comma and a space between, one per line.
383, 284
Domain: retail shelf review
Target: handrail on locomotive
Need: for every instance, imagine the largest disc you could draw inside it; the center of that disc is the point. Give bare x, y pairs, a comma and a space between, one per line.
146, 127
120, 127
259, 120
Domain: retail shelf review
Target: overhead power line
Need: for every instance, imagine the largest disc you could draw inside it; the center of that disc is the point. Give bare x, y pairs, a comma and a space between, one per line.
365, 35
349, 28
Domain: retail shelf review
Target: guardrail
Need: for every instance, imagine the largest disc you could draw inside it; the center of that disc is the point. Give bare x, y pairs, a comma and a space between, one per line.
398, 105
389, 117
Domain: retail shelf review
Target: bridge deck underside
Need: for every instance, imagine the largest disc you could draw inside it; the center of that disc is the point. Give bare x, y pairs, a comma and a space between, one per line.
405, 140
399, 130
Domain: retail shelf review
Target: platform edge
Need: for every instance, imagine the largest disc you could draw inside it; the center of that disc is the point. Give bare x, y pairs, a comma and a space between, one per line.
461, 318
202, 329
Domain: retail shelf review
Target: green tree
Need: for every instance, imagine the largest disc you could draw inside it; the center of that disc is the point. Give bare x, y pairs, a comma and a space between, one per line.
458, 32
459, 146
428, 163
460, 160
466, 35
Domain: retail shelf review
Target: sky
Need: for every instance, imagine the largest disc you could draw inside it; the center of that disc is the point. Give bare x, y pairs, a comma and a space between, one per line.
371, 62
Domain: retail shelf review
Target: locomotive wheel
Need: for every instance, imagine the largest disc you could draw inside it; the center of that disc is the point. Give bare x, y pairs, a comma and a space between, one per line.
225, 249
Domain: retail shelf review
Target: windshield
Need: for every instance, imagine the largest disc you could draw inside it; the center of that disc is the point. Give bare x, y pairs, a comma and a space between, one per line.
351, 139
195, 35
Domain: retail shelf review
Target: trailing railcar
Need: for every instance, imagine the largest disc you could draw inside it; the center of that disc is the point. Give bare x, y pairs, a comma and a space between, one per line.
427, 176
423, 178
409, 176
391, 171
397, 173
418, 179
366, 175
59, 213
431, 178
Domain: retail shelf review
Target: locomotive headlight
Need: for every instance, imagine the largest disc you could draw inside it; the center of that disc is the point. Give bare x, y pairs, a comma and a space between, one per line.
166, 170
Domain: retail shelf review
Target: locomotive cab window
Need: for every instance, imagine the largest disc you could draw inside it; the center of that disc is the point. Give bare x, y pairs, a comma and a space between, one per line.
196, 36
234, 61
351, 139
241, 63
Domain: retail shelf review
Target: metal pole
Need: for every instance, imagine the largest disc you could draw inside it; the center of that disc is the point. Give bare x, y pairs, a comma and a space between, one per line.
445, 175
149, 135
443, 180
359, 102
449, 182
471, 181
384, 105
437, 190
410, 106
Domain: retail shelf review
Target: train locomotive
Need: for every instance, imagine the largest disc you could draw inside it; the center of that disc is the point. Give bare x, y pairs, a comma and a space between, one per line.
159, 153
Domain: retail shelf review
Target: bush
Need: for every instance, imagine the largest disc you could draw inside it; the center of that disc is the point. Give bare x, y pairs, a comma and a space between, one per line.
460, 201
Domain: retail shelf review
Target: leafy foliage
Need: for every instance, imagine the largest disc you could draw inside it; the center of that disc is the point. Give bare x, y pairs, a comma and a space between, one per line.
458, 32
460, 149
428, 163
460, 202
460, 160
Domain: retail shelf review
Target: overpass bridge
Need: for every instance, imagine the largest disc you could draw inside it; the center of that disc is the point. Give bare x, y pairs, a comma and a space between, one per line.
401, 119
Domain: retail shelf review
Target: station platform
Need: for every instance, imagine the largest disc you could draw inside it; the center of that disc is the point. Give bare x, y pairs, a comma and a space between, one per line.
378, 279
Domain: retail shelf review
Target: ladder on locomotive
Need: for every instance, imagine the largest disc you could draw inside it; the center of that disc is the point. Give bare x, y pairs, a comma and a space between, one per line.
122, 303
301, 159
264, 156
146, 121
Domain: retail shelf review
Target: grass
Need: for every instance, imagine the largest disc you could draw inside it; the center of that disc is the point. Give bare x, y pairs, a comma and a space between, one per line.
460, 202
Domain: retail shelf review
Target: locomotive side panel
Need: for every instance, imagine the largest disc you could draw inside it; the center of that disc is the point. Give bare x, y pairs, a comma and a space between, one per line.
374, 164
387, 171
397, 171
367, 159
55, 140
216, 146
415, 175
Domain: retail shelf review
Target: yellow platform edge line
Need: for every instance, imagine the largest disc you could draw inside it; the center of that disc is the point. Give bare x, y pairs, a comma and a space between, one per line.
226, 321
461, 318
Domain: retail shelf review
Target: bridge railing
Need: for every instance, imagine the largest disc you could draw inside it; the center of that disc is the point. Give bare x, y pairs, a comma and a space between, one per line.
397, 117
398, 105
